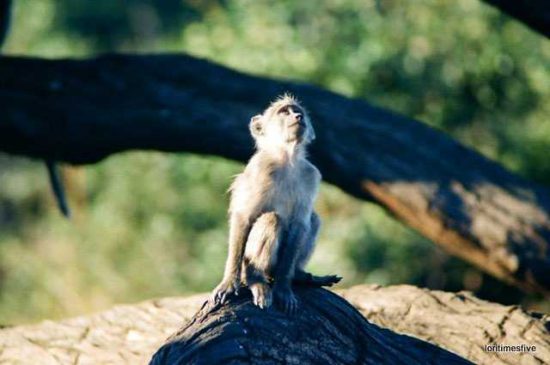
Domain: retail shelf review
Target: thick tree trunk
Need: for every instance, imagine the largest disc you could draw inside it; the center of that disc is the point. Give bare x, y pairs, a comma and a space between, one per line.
130, 334
327, 330
83, 111
533, 13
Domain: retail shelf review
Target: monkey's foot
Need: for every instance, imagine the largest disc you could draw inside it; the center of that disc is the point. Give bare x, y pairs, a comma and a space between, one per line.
261, 295
285, 299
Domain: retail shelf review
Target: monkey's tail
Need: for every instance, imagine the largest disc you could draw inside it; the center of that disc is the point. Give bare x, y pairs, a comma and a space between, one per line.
58, 188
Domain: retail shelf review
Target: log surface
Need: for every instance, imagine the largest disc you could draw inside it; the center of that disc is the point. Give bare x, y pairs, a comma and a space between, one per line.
81, 111
326, 330
130, 334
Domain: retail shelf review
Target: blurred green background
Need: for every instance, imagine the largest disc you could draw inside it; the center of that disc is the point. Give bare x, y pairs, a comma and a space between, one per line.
151, 224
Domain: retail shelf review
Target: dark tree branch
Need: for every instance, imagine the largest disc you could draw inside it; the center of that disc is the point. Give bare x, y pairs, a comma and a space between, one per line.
326, 330
83, 111
534, 13
5, 11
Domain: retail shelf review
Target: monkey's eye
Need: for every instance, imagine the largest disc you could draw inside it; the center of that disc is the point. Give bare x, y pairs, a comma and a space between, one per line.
284, 111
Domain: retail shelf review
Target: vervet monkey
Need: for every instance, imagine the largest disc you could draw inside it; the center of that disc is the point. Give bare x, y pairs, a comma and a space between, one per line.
273, 227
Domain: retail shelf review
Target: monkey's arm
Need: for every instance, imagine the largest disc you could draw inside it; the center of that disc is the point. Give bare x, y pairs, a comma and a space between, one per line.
301, 277
239, 229
240, 226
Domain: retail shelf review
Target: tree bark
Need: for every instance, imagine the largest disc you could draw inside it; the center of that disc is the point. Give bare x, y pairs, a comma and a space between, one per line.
534, 13
81, 111
327, 330
457, 322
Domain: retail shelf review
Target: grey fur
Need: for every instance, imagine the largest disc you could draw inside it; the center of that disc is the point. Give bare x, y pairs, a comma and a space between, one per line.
273, 227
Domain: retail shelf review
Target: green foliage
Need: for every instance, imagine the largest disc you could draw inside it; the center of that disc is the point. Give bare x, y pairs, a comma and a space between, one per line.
149, 224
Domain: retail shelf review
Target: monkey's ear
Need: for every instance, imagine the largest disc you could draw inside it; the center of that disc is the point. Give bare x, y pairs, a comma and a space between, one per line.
256, 128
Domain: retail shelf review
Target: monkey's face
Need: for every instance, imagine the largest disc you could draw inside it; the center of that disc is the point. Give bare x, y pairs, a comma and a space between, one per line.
281, 125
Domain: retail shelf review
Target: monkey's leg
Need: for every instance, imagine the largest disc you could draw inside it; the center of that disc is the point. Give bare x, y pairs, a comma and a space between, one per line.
301, 276
261, 257
307, 247
287, 257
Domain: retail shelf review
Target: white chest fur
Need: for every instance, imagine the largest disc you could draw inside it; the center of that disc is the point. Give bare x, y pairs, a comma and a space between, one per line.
287, 189
292, 191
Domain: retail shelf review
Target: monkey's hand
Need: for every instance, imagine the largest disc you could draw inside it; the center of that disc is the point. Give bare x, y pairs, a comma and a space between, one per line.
225, 289
285, 298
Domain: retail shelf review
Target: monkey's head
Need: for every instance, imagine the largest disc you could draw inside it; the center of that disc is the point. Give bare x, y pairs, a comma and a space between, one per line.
283, 123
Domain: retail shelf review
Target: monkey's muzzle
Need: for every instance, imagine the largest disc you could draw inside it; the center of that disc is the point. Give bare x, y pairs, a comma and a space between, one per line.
296, 130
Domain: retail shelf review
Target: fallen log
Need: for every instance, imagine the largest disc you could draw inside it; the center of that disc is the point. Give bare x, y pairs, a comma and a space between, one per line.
81, 111
326, 330
130, 334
